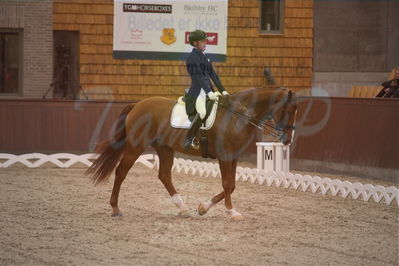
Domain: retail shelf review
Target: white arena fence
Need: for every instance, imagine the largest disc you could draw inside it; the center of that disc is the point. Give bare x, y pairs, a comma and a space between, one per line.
314, 184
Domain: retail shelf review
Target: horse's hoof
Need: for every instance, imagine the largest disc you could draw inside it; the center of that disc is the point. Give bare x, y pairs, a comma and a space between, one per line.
184, 214
118, 214
237, 218
201, 209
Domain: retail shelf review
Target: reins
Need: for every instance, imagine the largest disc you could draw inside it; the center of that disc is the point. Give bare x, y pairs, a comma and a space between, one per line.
258, 123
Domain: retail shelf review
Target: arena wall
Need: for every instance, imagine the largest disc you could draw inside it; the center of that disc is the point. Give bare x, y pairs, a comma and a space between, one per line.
352, 136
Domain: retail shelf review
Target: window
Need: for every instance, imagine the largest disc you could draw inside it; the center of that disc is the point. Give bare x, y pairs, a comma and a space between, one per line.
271, 16
10, 62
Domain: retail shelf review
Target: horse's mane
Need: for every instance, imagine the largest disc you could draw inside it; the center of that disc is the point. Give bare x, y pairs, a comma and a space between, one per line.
247, 95
250, 91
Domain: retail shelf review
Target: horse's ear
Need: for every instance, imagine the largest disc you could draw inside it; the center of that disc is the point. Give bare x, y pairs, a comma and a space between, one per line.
289, 95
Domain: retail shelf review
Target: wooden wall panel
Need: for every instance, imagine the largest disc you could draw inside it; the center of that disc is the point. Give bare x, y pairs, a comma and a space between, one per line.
289, 55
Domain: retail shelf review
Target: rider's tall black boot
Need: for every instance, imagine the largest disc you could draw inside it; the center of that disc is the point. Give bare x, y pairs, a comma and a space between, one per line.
190, 142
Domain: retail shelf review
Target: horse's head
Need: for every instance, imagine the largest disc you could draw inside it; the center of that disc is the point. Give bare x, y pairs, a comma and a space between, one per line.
283, 112
268, 109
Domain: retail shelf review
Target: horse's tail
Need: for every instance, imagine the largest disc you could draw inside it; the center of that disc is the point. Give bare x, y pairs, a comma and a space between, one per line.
110, 151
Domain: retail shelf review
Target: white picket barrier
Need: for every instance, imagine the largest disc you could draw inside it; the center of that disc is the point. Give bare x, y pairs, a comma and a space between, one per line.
314, 184
62, 160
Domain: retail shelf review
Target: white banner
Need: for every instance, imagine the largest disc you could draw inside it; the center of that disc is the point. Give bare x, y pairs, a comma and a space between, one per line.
159, 29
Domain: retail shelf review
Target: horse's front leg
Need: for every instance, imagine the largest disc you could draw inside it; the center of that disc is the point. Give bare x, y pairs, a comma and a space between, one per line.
228, 172
203, 208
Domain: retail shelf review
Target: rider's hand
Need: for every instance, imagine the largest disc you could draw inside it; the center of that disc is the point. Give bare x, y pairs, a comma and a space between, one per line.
225, 93
213, 96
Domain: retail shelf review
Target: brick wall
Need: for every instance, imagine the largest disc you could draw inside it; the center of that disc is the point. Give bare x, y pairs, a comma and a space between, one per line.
289, 55
34, 19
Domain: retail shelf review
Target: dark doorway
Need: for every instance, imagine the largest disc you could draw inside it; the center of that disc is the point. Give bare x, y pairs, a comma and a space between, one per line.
10, 61
66, 83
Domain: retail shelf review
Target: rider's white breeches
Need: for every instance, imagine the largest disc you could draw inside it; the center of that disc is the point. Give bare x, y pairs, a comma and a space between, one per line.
200, 104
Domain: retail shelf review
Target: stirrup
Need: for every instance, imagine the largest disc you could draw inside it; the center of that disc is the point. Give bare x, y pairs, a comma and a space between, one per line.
192, 143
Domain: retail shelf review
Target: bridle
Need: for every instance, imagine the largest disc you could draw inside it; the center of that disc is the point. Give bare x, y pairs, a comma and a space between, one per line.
265, 124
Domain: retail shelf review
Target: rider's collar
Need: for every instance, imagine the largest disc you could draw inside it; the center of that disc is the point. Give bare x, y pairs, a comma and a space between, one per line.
199, 50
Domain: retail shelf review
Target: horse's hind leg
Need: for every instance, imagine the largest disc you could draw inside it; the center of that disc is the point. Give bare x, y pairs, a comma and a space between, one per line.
128, 159
166, 157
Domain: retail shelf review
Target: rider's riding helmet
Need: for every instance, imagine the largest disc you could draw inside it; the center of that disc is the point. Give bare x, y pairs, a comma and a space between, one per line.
197, 35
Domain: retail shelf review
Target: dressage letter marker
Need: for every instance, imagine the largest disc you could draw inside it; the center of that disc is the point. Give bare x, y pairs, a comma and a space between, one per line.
273, 156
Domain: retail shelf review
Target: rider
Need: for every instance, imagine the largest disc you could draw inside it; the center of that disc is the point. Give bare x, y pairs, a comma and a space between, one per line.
201, 72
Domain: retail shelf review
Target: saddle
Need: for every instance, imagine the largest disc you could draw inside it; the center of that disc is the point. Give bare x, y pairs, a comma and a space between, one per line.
180, 119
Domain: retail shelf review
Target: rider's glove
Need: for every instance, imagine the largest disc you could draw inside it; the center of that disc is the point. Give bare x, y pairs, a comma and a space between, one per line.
213, 96
225, 93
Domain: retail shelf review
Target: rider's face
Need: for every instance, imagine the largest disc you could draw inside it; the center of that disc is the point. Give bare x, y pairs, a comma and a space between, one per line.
201, 45
397, 74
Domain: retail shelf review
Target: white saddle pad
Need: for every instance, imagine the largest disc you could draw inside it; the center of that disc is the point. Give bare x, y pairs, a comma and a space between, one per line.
179, 118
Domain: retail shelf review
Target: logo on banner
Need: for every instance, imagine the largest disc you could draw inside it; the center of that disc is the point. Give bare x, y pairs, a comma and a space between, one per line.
211, 38
168, 36
136, 34
147, 8
210, 10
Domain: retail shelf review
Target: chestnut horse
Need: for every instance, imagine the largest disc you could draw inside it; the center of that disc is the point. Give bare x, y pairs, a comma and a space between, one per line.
148, 123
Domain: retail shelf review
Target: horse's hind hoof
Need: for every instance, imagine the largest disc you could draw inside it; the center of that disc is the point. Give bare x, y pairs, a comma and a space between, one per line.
119, 214
184, 214
201, 209
237, 218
